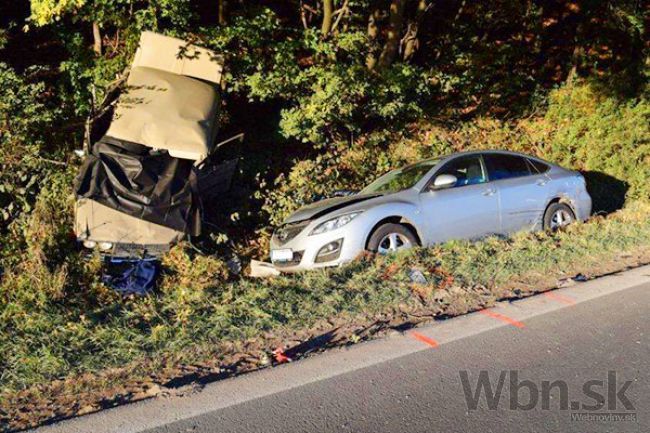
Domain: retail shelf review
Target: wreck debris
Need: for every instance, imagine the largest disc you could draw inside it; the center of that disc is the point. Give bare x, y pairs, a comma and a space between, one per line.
138, 190
262, 269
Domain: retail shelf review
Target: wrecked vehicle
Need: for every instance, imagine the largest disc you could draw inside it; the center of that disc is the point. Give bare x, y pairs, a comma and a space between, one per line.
140, 187
465, 195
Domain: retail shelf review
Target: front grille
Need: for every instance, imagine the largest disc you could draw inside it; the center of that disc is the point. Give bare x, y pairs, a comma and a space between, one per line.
137, 250
288, 231
297, 257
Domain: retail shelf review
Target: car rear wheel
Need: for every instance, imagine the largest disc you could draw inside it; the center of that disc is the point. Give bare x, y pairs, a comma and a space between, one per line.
558, 215
388, 238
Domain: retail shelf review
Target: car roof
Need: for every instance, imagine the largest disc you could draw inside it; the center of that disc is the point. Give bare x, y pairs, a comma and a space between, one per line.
496, 151
443, 159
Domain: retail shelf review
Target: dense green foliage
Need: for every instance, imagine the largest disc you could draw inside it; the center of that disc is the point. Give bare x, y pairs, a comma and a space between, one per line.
607, 139
24, 115
322, 82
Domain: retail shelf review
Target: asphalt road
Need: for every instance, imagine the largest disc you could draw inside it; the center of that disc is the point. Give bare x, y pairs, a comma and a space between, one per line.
423, 391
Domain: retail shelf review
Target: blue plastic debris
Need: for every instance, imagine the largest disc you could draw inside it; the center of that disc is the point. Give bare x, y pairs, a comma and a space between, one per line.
131, 276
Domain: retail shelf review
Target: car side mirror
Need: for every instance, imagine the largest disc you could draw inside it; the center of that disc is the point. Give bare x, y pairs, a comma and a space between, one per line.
444, 181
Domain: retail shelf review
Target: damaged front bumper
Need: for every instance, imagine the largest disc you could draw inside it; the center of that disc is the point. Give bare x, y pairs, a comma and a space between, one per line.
293, 248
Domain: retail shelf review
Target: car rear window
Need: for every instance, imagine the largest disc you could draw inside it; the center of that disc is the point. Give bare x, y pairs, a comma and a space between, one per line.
506, 166
538, 166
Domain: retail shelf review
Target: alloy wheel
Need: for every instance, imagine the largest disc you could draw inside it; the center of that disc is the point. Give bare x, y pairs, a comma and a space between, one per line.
393, 242
561, 218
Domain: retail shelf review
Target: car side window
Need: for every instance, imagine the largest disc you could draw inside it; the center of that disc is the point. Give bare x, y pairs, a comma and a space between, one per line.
467, 169
538, 167
503, 166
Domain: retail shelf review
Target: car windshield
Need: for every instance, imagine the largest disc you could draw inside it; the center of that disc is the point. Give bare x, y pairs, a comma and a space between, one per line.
402, 178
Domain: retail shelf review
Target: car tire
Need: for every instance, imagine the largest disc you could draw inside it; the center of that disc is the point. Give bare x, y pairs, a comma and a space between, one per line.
391, 237
558, 215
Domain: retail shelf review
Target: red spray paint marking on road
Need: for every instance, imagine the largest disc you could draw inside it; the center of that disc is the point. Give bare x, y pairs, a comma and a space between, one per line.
424, 339
280, 357
503, 318
560, 298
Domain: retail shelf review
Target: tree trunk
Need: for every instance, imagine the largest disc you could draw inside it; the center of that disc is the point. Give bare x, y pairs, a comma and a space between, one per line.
576, 55
395, 24
373, 33
328, 15
97, 39
222, 7
411, 40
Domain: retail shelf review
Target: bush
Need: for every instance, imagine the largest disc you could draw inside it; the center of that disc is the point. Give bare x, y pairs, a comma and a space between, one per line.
605, 138
23, 118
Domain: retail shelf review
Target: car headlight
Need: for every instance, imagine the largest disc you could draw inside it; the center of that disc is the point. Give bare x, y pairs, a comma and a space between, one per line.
334, 223
105, 246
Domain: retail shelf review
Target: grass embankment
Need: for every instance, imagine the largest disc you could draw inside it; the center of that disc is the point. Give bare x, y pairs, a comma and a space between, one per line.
74, 349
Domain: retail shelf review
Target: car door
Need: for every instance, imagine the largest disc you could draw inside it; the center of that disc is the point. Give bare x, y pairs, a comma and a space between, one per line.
521, 187
467, 210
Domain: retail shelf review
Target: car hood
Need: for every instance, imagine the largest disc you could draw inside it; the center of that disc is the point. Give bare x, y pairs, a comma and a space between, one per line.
323, 207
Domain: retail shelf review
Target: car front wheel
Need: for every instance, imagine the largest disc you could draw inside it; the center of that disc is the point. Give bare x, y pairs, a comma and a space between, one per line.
558, 215
388, 238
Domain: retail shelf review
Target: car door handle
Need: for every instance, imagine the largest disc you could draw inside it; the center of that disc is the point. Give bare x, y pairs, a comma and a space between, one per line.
541, 182
489, 191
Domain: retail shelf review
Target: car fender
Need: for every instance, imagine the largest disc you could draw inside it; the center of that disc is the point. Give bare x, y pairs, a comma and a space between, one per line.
563, 191
399, 212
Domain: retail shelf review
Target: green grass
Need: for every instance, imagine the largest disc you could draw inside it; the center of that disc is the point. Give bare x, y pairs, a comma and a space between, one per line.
54, 324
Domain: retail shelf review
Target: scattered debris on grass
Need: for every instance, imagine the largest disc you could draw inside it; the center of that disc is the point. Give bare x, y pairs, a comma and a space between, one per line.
214, 329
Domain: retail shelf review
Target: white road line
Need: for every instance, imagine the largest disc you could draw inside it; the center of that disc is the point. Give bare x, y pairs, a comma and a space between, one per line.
153, 413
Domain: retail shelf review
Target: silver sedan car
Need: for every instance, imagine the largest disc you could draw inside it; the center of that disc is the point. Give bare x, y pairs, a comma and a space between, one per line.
466, 195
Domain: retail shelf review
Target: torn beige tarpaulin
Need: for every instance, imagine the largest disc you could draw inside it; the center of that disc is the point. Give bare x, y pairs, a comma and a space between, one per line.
108, 225
177, 56
166, 111
172, 98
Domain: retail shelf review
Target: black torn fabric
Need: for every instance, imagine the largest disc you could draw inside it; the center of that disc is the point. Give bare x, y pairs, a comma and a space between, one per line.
142, 182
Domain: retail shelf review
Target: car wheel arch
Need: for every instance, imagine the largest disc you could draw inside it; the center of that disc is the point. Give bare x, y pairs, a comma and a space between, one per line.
395, 219
563, 200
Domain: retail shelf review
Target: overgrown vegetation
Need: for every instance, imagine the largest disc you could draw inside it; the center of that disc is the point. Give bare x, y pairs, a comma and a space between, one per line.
54, 327
607, 139
338, 92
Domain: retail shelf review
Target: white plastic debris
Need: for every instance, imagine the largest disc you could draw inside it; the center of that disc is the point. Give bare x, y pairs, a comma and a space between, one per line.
417, 276
262, 269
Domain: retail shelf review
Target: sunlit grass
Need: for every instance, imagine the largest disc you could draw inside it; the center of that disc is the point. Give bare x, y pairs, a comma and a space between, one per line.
53, 324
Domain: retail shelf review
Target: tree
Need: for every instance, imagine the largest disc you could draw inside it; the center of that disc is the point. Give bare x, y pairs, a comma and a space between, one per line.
47, 11
112, 16
411, 40
222, 7
393, 37
328, 17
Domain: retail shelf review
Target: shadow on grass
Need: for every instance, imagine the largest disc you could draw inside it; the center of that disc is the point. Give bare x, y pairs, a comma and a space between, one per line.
607, 192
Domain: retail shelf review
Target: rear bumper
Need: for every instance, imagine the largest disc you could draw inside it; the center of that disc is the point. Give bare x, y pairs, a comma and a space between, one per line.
583, 206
